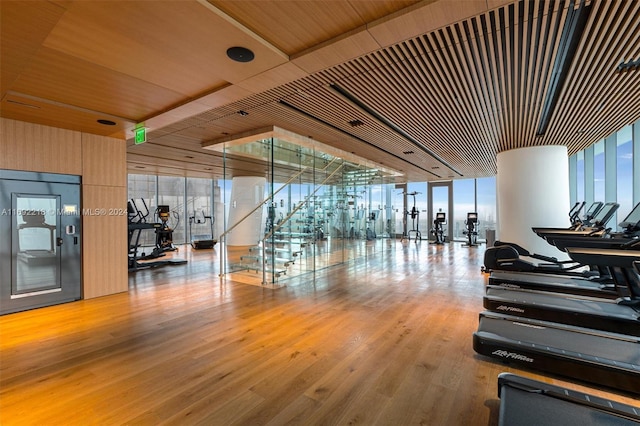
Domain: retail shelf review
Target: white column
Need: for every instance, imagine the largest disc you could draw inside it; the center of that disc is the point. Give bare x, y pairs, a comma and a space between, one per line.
246, 193
533, 190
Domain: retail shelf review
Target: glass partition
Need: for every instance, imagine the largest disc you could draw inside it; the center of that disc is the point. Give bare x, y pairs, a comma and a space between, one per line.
317, 207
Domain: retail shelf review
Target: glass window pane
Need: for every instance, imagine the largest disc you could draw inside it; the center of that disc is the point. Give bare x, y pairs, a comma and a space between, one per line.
463, 203
142, 190
199, 207
37, 256
624, 166
580, 175
171, 193
487, 210
598, 172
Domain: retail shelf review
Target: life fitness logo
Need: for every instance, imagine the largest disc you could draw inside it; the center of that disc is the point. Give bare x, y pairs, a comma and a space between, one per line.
509, 309
511, 355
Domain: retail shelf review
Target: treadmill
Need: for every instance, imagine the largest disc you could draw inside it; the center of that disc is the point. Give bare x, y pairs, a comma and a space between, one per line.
507, 256
587, 221
582, 352
621, 315
598, 286
528, 402
598, 226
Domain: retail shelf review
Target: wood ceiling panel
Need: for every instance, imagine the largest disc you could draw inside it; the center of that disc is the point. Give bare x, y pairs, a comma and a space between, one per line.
63, 116
295, 26
24, 25
159, 32
63, 78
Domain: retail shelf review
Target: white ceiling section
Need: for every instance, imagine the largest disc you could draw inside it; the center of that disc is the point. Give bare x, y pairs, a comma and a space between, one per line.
437, 88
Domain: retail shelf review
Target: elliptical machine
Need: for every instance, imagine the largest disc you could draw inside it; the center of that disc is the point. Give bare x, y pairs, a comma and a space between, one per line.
438, 229
472, 231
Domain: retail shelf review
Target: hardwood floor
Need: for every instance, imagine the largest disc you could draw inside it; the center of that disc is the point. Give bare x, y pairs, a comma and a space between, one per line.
384, 341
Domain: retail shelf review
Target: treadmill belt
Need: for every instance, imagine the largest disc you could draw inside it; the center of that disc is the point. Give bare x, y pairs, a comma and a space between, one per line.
565, 341
521, 407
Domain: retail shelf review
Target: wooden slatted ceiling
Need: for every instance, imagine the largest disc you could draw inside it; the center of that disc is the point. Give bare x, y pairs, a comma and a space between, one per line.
595, 90
475, 88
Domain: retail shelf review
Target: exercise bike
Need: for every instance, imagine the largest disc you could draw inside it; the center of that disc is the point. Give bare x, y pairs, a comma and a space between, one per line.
472, 229
438, 229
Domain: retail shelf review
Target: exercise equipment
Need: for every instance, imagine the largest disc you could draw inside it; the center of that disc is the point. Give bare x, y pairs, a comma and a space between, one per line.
574, 213
438, 229
528, 402
371, 225
414, 214
472, 231
201, 241
508, 256
36, 219
164, 233
137, 222
578, 348
621, 315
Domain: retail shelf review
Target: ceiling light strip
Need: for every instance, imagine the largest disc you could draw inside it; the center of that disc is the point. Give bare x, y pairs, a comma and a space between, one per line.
306, 114
391, 125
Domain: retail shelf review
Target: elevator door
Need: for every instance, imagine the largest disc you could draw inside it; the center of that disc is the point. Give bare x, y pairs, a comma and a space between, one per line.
40, 255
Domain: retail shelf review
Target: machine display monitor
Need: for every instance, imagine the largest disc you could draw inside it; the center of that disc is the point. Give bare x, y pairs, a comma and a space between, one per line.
633, 219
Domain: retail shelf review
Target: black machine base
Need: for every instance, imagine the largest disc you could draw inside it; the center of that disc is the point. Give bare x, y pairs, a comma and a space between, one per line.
203, 243
527, 402
605, 359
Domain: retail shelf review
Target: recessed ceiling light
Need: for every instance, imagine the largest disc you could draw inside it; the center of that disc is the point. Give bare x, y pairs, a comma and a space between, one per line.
208, 168
356, 123
240, 54
408, 152
243, 113
435, 167
188, 156
140, 167
107, 122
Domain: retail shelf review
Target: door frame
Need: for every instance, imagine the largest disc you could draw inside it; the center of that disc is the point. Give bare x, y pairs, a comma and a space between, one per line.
442, 184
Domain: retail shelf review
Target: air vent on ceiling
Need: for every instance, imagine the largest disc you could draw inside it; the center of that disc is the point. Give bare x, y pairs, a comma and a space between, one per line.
408, 152
356, 123
243, 113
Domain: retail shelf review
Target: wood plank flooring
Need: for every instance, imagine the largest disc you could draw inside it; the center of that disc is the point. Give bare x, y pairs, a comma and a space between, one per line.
384, 340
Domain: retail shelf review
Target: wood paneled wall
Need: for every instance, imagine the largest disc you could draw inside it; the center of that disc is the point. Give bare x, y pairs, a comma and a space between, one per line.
31, 147
101, 162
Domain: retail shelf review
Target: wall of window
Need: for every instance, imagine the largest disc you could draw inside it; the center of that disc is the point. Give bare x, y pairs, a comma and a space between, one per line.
189, 201
464, 202
469, 196
486, 200
610, 168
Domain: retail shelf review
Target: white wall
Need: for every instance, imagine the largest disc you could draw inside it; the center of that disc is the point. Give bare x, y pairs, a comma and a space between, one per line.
246, 193
532, 190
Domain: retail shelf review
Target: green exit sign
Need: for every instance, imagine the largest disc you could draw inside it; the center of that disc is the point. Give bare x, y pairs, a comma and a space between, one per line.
141, 135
